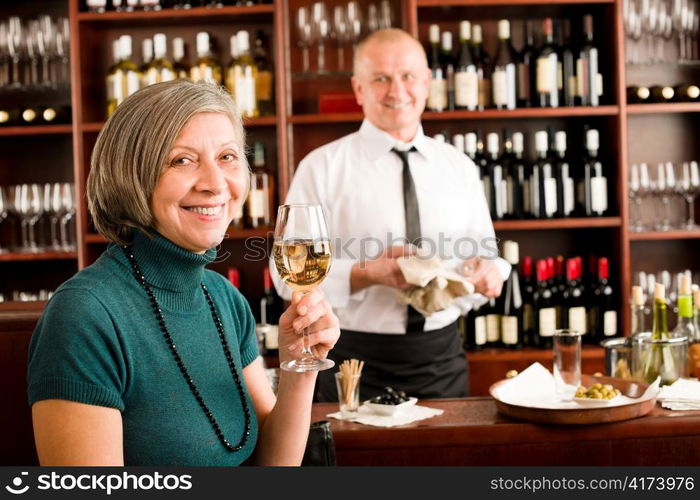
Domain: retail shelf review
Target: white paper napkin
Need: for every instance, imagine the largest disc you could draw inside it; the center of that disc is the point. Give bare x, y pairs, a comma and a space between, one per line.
410, 414
534, 388
683, 394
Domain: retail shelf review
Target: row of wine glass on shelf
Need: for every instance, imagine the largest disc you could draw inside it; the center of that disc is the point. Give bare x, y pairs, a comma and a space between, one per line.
35, 115
661, 185
34, 53
24, 296
41, 217
685, 92
248, 75
559, 72
543, 295
556, 184
101, 6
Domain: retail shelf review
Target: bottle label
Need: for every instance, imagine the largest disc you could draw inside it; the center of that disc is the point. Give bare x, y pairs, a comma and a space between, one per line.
114, 89
610, 323
527, 206
500, 88
257, 203
572, 86
560, 76
577, 319
263, 85
480, 330
548, 321
157, 75
493, 327
599, 84
272, 338
550, 196
581, 78
523, 82
133, 83
599, 194
437, 98
509, 329
568, 196
484, 92
467, 89
528, 318
545, 82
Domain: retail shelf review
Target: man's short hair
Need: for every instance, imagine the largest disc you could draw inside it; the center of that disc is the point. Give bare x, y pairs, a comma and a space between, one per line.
133, 146
387, 35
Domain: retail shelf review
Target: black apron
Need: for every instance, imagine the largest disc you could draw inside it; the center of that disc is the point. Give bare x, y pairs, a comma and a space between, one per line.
424, 364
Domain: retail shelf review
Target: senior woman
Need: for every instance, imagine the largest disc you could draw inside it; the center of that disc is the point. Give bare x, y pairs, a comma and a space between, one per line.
145, 357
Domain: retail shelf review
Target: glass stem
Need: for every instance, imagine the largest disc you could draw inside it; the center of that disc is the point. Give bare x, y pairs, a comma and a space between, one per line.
306, 355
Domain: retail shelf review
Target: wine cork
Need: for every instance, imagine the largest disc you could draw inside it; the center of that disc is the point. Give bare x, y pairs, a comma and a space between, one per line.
659, 291
696, 298
685, 285
637, 296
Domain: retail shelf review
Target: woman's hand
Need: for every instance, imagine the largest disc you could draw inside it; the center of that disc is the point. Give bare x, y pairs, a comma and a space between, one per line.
307, 310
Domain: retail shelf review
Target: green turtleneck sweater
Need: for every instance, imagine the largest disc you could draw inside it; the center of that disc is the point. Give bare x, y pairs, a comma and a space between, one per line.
98, 342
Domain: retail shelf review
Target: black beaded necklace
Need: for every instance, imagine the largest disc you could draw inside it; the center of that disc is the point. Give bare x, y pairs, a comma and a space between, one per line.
224, 343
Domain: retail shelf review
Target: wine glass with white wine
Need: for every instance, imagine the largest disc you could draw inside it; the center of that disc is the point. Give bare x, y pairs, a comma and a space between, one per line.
302, 253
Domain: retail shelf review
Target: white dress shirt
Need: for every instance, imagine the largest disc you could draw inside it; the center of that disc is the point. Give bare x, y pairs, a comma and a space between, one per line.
358, 181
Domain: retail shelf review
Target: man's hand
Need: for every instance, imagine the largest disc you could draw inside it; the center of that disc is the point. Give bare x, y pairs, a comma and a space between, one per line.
484, 275
383, 270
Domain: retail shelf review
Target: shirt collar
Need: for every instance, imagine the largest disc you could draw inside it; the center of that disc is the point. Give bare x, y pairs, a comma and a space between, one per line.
379, 142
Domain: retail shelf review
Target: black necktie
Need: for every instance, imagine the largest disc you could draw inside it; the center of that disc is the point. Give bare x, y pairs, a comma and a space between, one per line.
416, 321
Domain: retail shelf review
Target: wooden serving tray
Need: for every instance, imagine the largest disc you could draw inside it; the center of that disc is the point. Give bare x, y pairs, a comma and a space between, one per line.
578, 416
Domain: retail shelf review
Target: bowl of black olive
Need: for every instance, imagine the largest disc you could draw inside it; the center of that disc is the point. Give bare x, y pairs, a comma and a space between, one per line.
390, 402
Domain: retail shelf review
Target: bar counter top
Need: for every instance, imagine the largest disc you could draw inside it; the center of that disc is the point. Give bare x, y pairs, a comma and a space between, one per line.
472, 432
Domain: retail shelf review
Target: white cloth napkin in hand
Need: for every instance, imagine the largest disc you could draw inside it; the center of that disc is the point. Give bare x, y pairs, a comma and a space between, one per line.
410, 414
435, 286
683, 394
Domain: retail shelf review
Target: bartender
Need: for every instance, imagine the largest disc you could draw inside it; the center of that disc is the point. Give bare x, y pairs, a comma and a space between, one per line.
385, 190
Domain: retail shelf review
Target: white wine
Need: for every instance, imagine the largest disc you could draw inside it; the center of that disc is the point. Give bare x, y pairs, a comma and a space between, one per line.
123, 79
302, 264
241, 76
159, 69
206, 68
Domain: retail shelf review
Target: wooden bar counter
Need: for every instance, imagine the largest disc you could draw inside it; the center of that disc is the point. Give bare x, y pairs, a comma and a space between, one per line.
472, 432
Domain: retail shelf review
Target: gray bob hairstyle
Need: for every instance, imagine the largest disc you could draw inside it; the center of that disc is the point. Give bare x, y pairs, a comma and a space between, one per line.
133, 146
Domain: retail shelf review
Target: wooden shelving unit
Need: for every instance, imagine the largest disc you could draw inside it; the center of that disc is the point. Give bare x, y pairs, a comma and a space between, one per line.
676, 234
27, 256
36, 130
665, 108
551, 224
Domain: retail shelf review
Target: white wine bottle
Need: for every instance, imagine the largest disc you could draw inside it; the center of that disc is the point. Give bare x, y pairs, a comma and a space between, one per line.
123, 79
147, 52
241, 76
180, 67
159, 69
258, 203
206, 68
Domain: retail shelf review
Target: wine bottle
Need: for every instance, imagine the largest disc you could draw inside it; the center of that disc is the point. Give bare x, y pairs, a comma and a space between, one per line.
526, 67
206, 68
511, 300
466, 77
56, 114
658, 360
477, 327
660, 93
97, 6
566, 78
547, 64
458, 142
516, 178
147, 54
483, 65
686, 326
637, 315
529, 285
686, 93
448, 67
496, 179
574, 314
526, 195
483, 164
603, 315
150, 4
543, 185
263, 83
503, 76
544, 312
637, 94
588, 78
258, 203
595, 184
437, 95
234, 277
241, 75
553, 282
565, 182
694, 343
30, 116
123, 79
159, 69
470, 147
271, 309
180, 67
493, 324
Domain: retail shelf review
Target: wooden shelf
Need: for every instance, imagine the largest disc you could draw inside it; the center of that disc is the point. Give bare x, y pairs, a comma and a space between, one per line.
26, 256
231, 234
312, 119
176, 16
529, 354
95, 238
570, 223
676, 234
490, 3
671, 107
263, 121
36, 130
